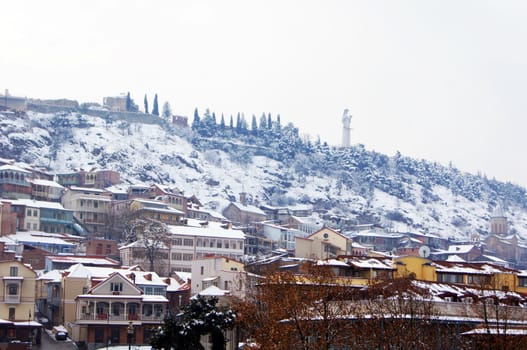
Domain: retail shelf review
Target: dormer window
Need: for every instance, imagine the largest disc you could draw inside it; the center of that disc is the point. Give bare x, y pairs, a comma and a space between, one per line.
116, 286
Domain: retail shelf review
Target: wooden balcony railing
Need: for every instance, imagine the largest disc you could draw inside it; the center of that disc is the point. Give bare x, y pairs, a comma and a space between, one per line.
121, 317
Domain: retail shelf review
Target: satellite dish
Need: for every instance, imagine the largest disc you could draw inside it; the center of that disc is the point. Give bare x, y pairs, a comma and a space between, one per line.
424, 251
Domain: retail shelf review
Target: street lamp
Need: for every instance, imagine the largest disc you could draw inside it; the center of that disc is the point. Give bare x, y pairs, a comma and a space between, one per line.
30, 341
130, 331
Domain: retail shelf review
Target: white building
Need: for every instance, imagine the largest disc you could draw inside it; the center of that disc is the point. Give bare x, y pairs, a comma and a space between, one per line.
196, 241
219, 271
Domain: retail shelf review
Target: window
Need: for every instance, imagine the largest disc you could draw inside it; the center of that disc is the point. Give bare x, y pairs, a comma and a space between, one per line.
116, 309
35, 212
202, 270
188, 242
12, 314
116, 286
212, 243
28, 226
13, 271
176, 256
28, 213
176, 241
449, 278
12, 289
218, 244
187, 257
226, 244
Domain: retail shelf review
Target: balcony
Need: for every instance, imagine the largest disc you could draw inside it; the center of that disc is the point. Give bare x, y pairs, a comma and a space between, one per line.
12, 299
121, 319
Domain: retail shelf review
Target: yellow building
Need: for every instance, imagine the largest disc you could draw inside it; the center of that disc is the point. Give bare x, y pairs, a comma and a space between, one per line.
477, 275
17, 297
18, 292
323, 244
415, 267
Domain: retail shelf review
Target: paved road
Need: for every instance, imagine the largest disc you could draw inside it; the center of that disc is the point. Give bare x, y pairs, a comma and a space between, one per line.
49, 343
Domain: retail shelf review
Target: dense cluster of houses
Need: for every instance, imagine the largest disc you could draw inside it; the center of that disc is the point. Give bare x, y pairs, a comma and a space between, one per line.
65, 262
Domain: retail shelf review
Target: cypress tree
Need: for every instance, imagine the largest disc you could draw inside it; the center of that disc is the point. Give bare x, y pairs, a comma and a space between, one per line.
146, 104
128, 102
222, 123
254, 126
263, 122
155, 107
238, 123
196, 121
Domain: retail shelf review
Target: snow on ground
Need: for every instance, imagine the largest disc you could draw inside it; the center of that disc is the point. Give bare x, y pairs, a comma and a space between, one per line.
146, 153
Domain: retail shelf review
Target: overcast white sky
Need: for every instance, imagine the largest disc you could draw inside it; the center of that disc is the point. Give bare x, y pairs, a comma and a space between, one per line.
439, 80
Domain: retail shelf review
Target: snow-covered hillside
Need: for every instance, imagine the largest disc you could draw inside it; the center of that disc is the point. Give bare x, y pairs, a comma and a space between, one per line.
391, 191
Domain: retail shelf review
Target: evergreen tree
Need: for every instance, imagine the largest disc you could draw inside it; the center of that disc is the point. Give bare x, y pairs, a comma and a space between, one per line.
231, 123
269, 121
128, 101
167, 111
201, 317
146, 104
263, 122
208, 124
222, 123
196, 122
243, 125
130, 104
155, 107
238, 123
254, 126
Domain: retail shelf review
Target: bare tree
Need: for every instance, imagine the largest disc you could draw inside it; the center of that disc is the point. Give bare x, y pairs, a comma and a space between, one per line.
153, 237
292, 311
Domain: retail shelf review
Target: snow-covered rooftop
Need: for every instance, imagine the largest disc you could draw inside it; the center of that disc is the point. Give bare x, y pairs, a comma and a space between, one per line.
31, 237
14, 168
47, 183
210, 231
248, 208
38, 204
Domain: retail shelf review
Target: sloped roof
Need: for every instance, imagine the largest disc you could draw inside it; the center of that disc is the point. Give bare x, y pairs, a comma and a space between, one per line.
14, 168
248, 208
212, 291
